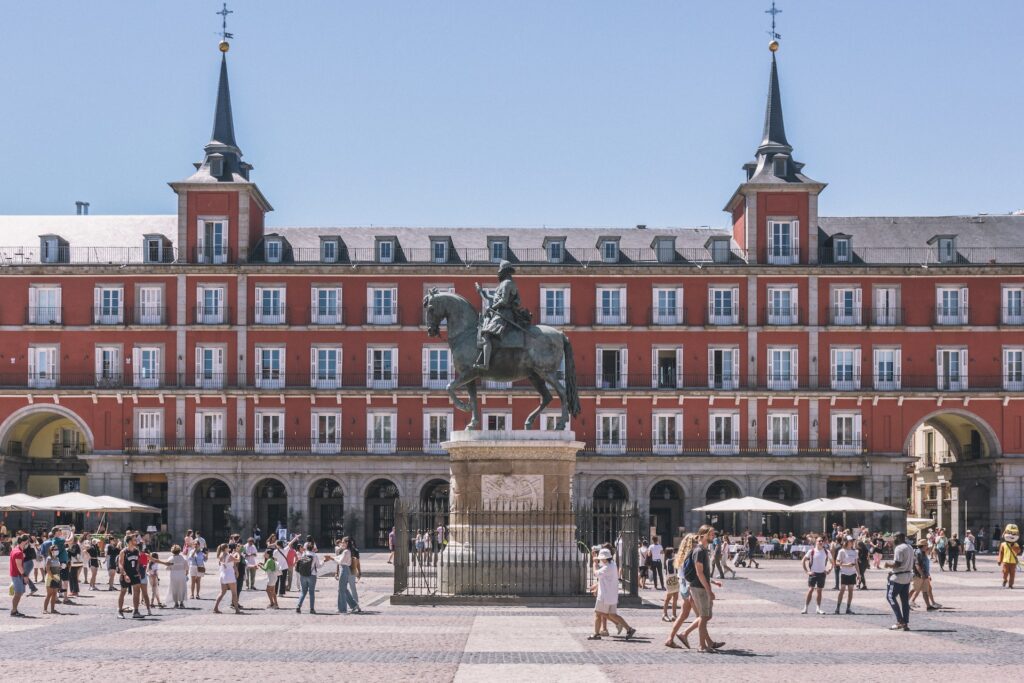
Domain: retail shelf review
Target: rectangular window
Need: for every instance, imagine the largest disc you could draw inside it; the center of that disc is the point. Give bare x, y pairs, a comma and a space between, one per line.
887, 307
329, 251
611, 433
1013, 305
951, 307
947, 250
667, 433
841, 252
723, 305
610, 251
612, 368
325, 306
44, 306
149, 430
108, 366
724, 368
43, 367
782, 243
666, 250
782, 306
499, 250
149, 309
382, 368
385, 251
554, 305
154, 250
497, 422
436, 430
270, 306
274, 250
439, 251
721, 251
147, 364
269, 367
782, 368
269, 432
667, 367
887, 369
108, 305
846, 435
382, 306
951, 369
210, 367
667, 306
1013, 369
212, 246
325, 367
436, 367
380, 432
610, 310
325, 432
782, 433
846, 306
556, 251
210, 432
210, 306
846, 368
725, 433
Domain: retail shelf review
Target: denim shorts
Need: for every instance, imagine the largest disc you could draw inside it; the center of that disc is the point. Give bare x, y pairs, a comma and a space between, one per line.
19, 584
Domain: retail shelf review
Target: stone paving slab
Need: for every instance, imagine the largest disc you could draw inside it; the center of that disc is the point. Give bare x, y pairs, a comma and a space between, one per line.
979, 632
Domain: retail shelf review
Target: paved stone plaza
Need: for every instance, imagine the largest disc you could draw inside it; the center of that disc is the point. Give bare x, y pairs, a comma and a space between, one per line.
978, 630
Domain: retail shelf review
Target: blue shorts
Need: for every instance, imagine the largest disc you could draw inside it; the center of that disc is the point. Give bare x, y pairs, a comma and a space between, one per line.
19, 584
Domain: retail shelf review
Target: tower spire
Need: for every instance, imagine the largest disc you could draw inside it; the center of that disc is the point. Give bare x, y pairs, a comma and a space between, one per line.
223, 121
774, 138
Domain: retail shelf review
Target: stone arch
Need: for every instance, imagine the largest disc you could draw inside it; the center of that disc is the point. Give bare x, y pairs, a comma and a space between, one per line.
18, 415
317, 480
630, 494
375, 481
209, 507
326, 502
934, 419
718, 480
767, 482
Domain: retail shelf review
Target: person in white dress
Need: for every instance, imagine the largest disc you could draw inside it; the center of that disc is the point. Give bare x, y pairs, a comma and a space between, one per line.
227, 556
177, 576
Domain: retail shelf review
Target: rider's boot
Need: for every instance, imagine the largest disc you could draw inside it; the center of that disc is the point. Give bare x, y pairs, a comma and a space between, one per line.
484, 362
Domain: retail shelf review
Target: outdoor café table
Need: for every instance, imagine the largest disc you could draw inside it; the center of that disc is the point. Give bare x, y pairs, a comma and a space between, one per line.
798, 550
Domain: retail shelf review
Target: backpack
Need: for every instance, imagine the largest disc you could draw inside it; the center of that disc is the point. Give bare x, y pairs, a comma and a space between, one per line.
690, 570
305, 566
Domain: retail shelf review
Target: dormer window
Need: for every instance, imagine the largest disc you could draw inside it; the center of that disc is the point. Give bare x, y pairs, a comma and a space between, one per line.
609, 250
439, 250
947, 250
53, 249
216, 165
385, 251
498, 248
841, 251
329, 251
556, 251
779, 165
273, 247
153, 249
719, 248
665, 249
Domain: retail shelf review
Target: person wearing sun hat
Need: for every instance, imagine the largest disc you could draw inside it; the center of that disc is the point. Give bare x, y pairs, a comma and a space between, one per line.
606, 590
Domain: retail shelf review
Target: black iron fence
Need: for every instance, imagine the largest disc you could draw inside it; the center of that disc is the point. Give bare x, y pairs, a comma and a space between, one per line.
510, 551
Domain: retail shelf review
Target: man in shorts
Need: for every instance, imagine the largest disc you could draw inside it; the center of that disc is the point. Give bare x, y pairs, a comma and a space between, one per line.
17, 573
922, 584
816, 563
697, 573
848, 560
606, 590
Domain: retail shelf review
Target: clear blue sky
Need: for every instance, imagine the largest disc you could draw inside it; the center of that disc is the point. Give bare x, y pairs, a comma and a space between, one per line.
520, 112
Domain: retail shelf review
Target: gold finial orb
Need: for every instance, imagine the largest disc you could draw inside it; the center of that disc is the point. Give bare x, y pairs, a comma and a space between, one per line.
773, 46
224, 46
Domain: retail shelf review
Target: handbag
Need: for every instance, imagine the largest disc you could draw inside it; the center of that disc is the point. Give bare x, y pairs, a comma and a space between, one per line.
672, 583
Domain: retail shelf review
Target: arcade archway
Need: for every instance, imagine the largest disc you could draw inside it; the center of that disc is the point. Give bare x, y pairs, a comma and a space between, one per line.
211, 503
326, 512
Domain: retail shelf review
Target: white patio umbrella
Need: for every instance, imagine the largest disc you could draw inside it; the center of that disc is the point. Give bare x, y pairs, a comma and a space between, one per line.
17, 502
127, 505
916, 525
76, 502
843, 504
745, 504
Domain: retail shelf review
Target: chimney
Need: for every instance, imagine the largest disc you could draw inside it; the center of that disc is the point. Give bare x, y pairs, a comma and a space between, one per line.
81, 208
641, 227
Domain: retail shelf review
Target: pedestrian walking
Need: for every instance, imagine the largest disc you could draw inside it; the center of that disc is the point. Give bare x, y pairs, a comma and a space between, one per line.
281, 558
697, 573
153, 570
177, 576
849, 572
606, 592
679, 564
816, 564
196, 570
343, 573
18, 573
31, 556
391, 546
671, 588
269, 566
227, 558
863, 548
92, 552
251, 557
833, 551
953, 552
922, 584
306, 567
643, 559
901, 574
656, 552
113, 552
128, 569
940, 549
970, 549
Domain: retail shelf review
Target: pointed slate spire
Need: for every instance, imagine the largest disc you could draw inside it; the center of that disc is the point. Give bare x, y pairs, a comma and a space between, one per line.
223, 122
774, 139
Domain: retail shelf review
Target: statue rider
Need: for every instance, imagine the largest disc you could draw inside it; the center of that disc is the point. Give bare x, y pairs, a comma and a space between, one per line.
503, 310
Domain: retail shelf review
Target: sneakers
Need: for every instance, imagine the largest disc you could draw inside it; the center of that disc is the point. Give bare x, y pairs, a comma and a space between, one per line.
630, 632
849, 611
818, 610
804, 610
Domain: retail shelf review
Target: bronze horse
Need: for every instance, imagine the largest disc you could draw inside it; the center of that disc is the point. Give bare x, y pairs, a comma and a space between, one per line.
538, 360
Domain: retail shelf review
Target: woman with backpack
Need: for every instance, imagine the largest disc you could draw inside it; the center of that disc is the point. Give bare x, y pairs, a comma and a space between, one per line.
306, 567
679, 564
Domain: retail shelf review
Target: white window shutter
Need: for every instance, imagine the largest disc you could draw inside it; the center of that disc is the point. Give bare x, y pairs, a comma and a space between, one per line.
856, 368
426, 364
622, 430
284, 357
833, 374
369, 303
963, 369
600, 429
735, 368
655, 437
1006, 368
120, 305
623, 368
712, 429
258, 308
964, 309
57, 302
341, 358
654, 367
794, 365
876, 357
35, 316
369, 366
394, 365
711, 368
679, 368
794, 430
736, 430
1003, 317
198, 422
313, 432
858, 305
394, 309
258, 420
567, 315
939, 369
771, 430
654, 303
858, 437
735, 305
200, 239
97, 303
312, 365
258, 360
897, 366
99, 361
136, 366
599, 370
679, 307
314, 300
199, 364
795, 229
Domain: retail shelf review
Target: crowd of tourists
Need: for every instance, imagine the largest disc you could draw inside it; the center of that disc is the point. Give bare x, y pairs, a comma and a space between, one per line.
59, 564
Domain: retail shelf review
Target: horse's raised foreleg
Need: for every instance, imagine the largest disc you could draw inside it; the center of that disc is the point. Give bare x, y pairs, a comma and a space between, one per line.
456, 401
540, 385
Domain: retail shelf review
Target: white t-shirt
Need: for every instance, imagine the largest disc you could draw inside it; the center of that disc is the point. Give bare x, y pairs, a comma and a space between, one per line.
818, 559
968, 544
608, 584
250, 555
844, 556
656, 551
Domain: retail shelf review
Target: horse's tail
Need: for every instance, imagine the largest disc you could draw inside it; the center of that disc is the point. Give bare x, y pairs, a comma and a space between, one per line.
572, 395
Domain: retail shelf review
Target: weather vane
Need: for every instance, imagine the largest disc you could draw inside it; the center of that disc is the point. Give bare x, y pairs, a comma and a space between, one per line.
774, 44
224, 35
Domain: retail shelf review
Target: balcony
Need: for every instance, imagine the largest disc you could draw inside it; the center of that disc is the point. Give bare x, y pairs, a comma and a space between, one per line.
724, 315
107, 315
270, 315
885, 317
554, 316
844, 315
667, 316
382, 315
211, 315
782, 255
328, 315
149, 314
611, 315
44, 315
290, 445
213, 256
951, 315
921, 256
852, 446
783, 315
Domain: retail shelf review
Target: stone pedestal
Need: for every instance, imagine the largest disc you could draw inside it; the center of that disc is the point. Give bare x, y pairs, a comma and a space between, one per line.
512, 525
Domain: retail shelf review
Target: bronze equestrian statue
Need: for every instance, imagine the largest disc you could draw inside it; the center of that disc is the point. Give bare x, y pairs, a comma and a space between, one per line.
501, 345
